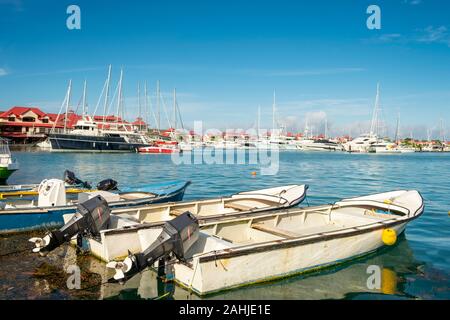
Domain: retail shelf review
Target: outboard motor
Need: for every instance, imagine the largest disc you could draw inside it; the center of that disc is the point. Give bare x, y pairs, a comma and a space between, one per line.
71, 179
91, 217
107, 185
178, 236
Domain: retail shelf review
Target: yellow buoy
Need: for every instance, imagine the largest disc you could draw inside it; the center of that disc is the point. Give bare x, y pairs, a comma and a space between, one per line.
389, 237
253, 173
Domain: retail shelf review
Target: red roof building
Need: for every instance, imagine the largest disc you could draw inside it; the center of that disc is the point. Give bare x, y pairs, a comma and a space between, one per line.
27, 124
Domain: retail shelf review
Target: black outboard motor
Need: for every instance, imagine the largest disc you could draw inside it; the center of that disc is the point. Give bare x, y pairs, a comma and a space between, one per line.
177, 237
91, 217
107, 185
71, 179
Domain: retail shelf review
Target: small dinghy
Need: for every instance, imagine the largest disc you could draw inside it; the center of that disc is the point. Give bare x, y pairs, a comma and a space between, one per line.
257, 248
72, 183
53, 203
122, 232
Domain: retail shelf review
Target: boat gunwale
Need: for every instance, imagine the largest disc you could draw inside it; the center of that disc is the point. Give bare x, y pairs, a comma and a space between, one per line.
222, 216
119, 204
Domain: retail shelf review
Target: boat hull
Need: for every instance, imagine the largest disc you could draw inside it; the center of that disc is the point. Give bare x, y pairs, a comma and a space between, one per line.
5, 173
158, 150
206, 276
20, 220
71, 142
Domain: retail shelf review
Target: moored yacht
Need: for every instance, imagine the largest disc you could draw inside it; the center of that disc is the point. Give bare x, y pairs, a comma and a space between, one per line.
361, 143
88, 137
87, 134
384, 147
320, 145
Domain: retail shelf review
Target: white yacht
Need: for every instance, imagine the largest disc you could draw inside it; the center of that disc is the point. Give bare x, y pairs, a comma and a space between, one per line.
365, 141
319, 145
384, 147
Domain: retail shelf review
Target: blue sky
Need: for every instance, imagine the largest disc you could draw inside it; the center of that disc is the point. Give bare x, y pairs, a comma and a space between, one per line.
226, 57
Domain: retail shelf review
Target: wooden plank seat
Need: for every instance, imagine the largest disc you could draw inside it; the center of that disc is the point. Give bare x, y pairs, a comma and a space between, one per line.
237, 206
176, 212
274, 231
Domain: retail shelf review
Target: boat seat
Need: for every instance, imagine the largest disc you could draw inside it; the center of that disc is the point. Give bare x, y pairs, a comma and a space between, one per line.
274, 231
133, 196
237, 206
176, 212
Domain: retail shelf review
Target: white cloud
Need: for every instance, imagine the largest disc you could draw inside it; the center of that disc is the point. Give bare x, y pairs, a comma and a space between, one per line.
3, 72
300, 73
17, 5
413, 2
433, 34
66, 71
390, 37
426, 35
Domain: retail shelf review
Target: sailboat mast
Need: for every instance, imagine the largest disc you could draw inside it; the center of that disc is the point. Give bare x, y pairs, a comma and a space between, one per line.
374, 124
69, 92
158, 106
326, 127
306, 128
105, 106
139, 106
397, 131
174, 108
258, 124
146, 106
119, 98
273, 114
84, 100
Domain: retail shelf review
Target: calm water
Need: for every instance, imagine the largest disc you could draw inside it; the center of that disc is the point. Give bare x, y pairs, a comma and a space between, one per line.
417, 267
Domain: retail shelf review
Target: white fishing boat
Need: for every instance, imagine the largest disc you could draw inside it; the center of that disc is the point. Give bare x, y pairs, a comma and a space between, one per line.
126, 226
258, 248
54, 200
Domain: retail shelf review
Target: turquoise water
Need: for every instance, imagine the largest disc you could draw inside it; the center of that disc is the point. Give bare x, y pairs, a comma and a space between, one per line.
417, 267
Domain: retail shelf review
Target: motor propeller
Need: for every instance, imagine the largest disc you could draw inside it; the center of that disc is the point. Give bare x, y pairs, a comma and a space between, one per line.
91, 217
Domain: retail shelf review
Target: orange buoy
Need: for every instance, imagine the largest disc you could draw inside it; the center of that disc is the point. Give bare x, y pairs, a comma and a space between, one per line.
253, 173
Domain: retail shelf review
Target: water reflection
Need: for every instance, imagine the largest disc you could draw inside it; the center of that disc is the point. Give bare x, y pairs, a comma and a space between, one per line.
400, 271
